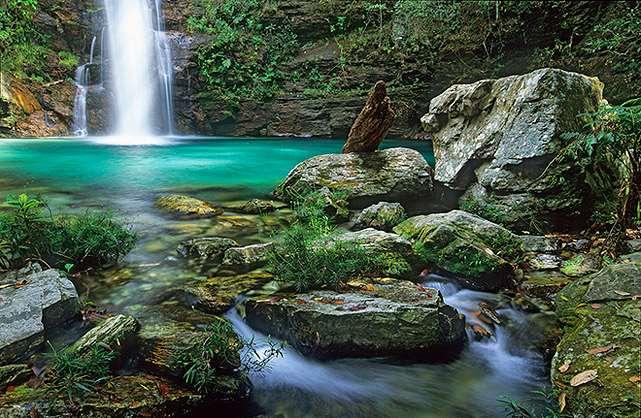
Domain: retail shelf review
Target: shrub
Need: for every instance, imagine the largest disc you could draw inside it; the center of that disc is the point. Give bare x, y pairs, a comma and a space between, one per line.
308, 256
608, 152
31, 232
74, 375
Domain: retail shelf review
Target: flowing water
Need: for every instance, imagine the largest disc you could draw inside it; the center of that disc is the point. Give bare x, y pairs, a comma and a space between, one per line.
84, 174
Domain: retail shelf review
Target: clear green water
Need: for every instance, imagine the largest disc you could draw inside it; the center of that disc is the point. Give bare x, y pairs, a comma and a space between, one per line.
78, 174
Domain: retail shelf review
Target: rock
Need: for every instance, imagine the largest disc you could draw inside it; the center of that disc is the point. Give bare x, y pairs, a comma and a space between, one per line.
13, 375
578, 245
601, 336
247, 258
39, 303
581, 265
386, 317
473, 250
543, 284
372, 124
139, 395
207, 251
545, 262
395, 175
617, 281
383, 216
187, 206
216, 295
259, 206
633, 245
540, 244
496, 138
116, 332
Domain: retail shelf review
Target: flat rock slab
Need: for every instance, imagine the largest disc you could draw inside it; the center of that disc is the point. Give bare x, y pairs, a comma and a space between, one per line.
29, 306
384, 317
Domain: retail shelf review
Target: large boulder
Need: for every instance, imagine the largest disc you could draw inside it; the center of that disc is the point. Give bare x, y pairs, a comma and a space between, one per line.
383, 216
32, 303
475, 251
385, 317
372, 124
601, 317
395, 175
187, 207
495, 139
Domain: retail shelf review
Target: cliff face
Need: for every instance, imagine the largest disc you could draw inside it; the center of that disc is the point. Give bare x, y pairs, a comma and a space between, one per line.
341, 48
303, 68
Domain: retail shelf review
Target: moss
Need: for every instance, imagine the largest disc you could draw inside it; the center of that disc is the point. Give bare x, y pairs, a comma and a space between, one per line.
572, 267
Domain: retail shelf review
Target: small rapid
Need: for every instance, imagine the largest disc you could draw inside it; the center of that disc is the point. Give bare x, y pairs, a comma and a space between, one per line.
503, 365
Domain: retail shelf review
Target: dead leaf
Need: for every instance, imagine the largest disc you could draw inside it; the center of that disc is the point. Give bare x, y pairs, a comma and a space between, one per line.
562, 402
564, 367
600, 350
622, 293
584, 377
369, 287
596, 306
635, 379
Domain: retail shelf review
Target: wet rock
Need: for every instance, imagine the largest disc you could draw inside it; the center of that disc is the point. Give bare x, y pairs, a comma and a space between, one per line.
247, 258
187, 206
216, 295
545, 262
386, 317
383, 216
116, 332
540, 244
395, 175
602, 336
578, 245
372, 124
31, 305
617, 281
543, 284
206, 252
494, 140
13, 375
259, 206
473, 250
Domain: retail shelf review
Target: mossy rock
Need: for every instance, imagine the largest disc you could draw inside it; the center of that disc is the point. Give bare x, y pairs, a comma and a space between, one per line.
187, 206
383, 216
544, 284
475, 251
601, 334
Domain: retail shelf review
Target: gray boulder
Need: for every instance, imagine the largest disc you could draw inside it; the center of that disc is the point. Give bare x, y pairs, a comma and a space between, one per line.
383, 216
396, 175
385, 317
617, 281
247, 258
116, 332
494, 139
475, 251
30, 305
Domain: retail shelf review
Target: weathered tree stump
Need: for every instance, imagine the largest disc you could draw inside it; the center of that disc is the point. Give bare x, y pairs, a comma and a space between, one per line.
372, 123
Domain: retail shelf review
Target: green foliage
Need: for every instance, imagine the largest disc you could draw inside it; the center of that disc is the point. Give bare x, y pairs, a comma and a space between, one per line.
464, 261
23, 48
216, 353
572, 266
608, 152
516, 409
68, 60
244, 60
75, 375
31, 232
310, 255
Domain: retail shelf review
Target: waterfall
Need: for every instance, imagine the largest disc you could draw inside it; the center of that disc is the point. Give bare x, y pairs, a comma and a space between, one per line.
140, 65
136, 72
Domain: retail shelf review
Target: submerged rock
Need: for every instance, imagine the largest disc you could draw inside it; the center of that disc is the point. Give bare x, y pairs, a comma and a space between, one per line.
386, 317
383, 216
395, 175
259, 206
494, 140
247, 258
216, 295
206, 252
475, 251
187, 206
30, 305
602, 337
372, 124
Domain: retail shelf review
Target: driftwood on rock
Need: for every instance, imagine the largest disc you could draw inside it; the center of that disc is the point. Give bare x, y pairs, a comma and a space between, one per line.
372, 123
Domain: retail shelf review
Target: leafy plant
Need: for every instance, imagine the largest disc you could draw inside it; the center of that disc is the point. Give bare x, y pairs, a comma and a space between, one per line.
516, 409
75, 375
608, 152
31, 232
